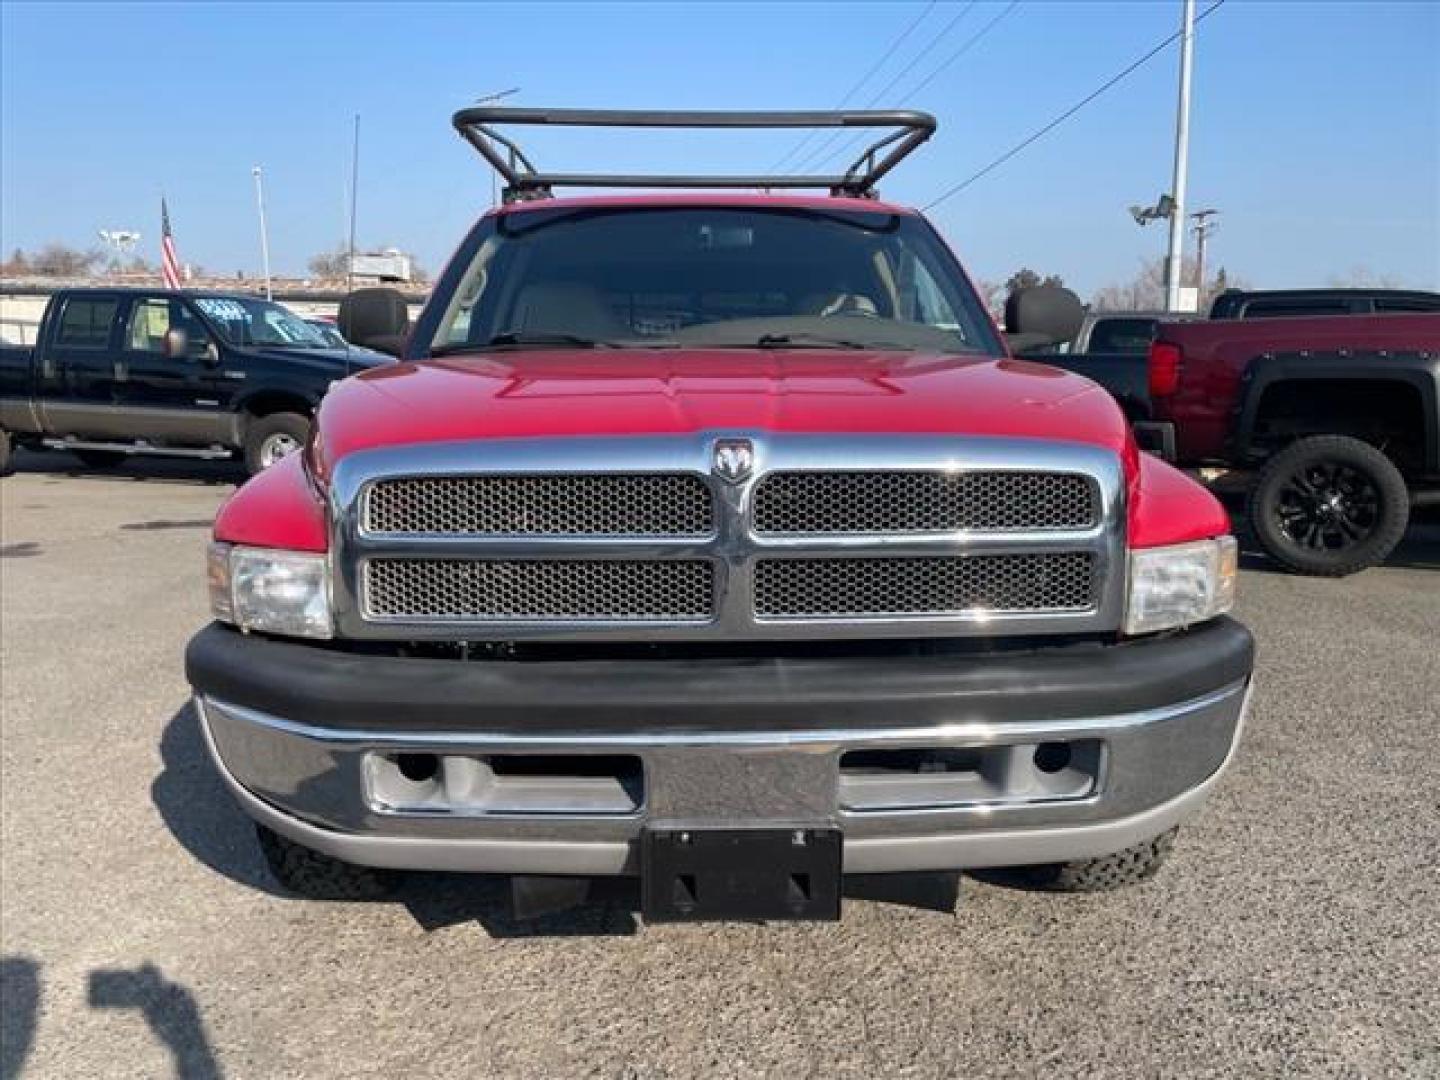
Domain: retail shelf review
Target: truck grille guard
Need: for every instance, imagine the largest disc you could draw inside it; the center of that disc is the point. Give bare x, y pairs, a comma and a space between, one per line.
727, 536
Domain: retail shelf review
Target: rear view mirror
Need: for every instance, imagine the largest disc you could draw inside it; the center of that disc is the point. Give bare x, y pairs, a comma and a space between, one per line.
1045, 315
375, 318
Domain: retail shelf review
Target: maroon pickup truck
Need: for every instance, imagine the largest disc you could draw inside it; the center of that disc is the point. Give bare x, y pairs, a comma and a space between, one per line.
1340, 416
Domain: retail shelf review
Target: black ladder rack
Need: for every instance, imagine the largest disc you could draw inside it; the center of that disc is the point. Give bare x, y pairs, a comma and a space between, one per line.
907, 130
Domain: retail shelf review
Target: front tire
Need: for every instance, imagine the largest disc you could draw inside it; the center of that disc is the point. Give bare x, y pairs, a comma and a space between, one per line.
1128, 867
319, 877
270, 438
1329, 505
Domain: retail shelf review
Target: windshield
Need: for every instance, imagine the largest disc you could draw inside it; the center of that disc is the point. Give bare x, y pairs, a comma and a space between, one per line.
714, 277
242, 321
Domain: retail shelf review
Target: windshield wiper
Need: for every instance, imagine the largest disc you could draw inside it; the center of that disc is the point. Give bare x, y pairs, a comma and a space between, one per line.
521, 339
804, 340
546, 337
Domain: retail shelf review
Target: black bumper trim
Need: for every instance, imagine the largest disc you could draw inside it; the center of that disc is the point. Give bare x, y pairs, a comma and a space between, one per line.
326, 688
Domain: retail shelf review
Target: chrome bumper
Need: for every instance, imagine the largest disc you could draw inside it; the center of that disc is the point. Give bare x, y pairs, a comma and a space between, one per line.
1128, 777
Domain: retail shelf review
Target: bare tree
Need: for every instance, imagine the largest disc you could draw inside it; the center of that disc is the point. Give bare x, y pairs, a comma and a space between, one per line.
58, 260
1025, 278
1146, 290
992, 295
329, 265
1362, 277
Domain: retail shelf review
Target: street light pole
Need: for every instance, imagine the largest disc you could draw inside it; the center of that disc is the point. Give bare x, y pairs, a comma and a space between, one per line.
264, 232
1182, 160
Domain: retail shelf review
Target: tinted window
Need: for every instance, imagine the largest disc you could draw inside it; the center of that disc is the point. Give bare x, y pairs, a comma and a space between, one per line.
1290, 309
724, 276
85, 322
1415, 303
1122, 335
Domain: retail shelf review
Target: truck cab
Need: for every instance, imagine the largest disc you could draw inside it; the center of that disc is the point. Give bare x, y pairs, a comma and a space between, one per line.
115, 372
714, 538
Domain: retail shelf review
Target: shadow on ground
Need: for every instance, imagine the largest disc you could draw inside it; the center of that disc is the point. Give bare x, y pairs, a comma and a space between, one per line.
168, 1008
1419, 550
19, 1012
203, 818
138, 468
198, 810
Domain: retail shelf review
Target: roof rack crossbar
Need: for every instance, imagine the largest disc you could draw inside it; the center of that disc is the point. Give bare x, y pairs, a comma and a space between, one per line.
524, 181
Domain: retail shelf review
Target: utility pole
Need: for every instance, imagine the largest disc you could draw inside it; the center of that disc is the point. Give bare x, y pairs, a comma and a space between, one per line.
1203, 227
264, 233
490, 99
1182, 159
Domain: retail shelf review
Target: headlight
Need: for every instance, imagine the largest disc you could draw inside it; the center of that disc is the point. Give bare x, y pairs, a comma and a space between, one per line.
1179, 585
280, 592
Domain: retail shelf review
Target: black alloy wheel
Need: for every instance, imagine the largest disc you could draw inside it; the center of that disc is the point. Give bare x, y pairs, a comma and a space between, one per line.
1329, 505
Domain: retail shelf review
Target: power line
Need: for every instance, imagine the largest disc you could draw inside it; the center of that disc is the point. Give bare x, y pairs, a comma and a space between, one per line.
970, 43
821, 152
854, 89
1053, 124
962, 50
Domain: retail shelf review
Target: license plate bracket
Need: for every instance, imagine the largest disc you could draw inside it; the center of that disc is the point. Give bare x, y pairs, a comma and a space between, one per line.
705, 873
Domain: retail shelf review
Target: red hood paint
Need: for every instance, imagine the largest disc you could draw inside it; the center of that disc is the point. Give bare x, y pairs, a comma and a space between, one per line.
622, 393
649, 392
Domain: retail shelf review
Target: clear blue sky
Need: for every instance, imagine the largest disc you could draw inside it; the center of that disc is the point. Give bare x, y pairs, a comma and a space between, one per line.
1316, 125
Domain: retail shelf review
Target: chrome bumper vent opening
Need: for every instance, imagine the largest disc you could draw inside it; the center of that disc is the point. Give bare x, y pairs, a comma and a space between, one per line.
527, 590
834, 503
829, 588
655, 504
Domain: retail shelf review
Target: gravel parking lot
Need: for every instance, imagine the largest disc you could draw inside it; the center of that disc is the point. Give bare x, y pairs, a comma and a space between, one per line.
1294, 933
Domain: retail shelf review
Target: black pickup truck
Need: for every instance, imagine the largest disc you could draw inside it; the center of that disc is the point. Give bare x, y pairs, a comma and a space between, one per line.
135, 371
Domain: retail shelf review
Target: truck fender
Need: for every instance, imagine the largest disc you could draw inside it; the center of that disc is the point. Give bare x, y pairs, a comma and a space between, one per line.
1418, 370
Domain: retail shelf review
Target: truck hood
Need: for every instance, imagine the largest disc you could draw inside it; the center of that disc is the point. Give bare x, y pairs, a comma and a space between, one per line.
649, 392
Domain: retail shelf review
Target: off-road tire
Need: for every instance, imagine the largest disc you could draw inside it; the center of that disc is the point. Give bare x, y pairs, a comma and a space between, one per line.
319, 877
1128, 867
1388, 520
99, 459
263, 429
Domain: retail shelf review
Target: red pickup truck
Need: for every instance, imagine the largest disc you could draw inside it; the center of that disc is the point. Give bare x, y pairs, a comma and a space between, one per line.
716, 539
1339, 416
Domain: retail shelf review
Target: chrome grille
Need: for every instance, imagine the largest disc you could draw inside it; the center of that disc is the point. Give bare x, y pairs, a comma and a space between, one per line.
523, 590
655, 504
640, 539
830, 503
878, 587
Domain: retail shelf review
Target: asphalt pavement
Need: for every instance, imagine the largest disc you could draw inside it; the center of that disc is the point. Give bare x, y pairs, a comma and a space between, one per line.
1294, 933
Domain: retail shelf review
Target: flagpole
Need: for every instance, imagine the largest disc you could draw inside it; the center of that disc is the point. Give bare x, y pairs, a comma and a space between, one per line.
264, 233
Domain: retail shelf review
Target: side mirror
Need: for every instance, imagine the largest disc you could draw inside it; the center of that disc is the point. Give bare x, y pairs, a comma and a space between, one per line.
1041, 316
375, 318
210, 355
176, 344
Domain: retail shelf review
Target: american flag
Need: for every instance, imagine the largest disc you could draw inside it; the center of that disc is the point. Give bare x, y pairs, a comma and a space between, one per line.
169, 263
